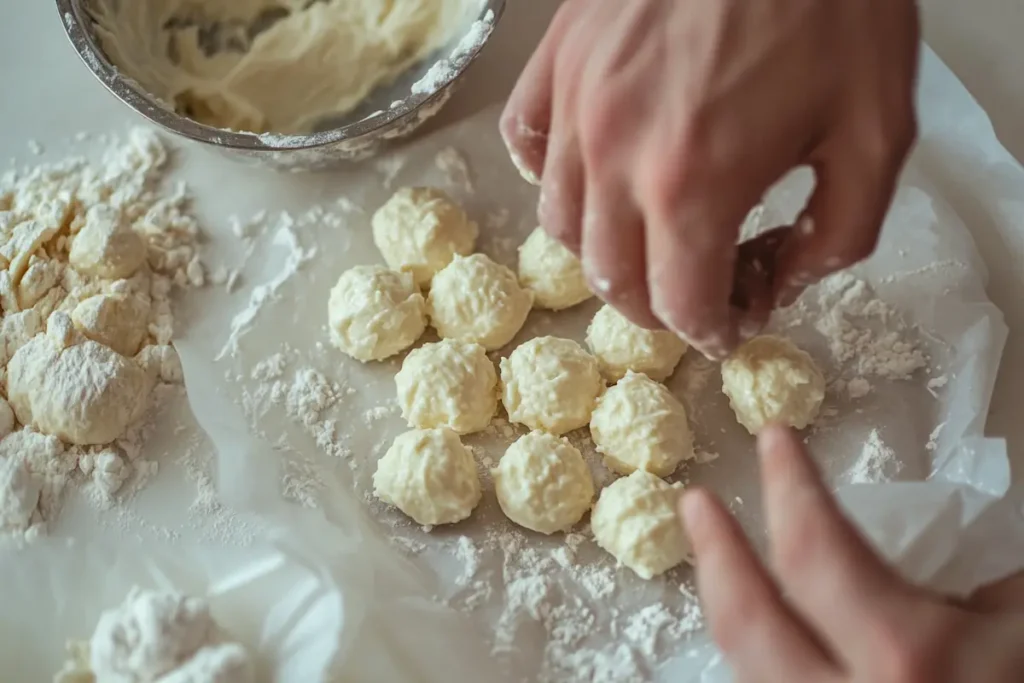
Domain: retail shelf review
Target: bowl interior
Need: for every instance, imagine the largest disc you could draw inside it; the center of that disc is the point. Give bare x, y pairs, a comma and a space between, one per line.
374, 114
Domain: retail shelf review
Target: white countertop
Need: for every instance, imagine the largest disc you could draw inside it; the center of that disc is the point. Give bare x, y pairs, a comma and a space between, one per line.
981, 42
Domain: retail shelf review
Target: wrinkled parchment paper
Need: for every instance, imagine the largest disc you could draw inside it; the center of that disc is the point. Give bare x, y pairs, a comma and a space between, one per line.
275, 599
939, 521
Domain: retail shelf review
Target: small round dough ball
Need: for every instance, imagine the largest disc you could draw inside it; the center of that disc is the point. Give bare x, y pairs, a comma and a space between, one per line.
448, 384
85, 393
107, 246
420, 229
477, 300
635, 520
620, 346
551, 272
429, 475
550, 384
543, 483
639, 425
374, 313
770, 381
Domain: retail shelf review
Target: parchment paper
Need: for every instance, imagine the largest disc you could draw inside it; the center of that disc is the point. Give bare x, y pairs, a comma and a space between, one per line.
939, 522
275, 599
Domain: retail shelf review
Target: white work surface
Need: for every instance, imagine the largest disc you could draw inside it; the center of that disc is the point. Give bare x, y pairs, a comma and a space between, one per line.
980, 41
50, 96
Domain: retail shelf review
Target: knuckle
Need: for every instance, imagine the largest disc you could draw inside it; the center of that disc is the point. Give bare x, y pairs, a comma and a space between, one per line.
599, 127
673, 171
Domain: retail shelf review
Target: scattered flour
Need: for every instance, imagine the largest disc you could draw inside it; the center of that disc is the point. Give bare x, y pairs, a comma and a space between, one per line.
877, 462
455, 167
864, 332
444, 70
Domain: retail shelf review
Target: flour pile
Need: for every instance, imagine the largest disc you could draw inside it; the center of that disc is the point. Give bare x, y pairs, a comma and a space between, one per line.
157, 637
90, 257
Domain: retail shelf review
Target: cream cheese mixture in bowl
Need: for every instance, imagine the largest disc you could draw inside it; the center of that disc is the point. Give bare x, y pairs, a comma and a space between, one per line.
296, 84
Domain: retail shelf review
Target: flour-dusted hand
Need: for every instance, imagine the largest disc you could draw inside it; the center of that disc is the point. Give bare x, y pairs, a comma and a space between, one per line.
654, 127
830, 611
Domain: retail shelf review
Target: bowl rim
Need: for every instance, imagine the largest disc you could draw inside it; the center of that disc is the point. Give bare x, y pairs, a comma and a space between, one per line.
74, 20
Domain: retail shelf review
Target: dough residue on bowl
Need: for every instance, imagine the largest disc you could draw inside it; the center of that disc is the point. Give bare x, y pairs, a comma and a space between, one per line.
276, 66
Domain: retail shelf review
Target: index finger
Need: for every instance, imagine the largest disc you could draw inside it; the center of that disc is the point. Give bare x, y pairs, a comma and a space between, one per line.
527, 116
691, 254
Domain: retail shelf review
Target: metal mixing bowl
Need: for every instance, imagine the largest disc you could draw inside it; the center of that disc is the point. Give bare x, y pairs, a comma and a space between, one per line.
356, 135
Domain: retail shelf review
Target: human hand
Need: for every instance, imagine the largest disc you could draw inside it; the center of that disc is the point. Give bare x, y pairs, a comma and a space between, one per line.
654, 126
831, 611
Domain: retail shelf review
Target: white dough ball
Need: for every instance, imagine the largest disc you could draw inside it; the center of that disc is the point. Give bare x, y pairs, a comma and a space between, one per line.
770, 381
543, 483
420, 229
550, 384
477, 300
107, 246
430, 476
639, 425
374, 313
635, 520
84, 393
551, 272
620, 346
448, 384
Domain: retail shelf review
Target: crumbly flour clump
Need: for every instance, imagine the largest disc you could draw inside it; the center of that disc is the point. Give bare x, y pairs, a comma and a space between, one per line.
90, 255
157, 636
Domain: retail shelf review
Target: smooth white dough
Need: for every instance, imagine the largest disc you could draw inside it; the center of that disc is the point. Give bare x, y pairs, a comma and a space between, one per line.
551, 272
374, 313
474, 299
430, 476
448, 384
550, 384
620, 346
543, 483
420, 230
635, 520
769, 380
639, 424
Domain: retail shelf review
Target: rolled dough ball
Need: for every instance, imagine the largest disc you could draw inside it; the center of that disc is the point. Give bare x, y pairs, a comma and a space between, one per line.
620, 346
543, 483
770, 381
374, 313
429, 475
550, 384
448, 384
639, 425
635, 520
551, 272
420, 229
477, 300
84, 393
